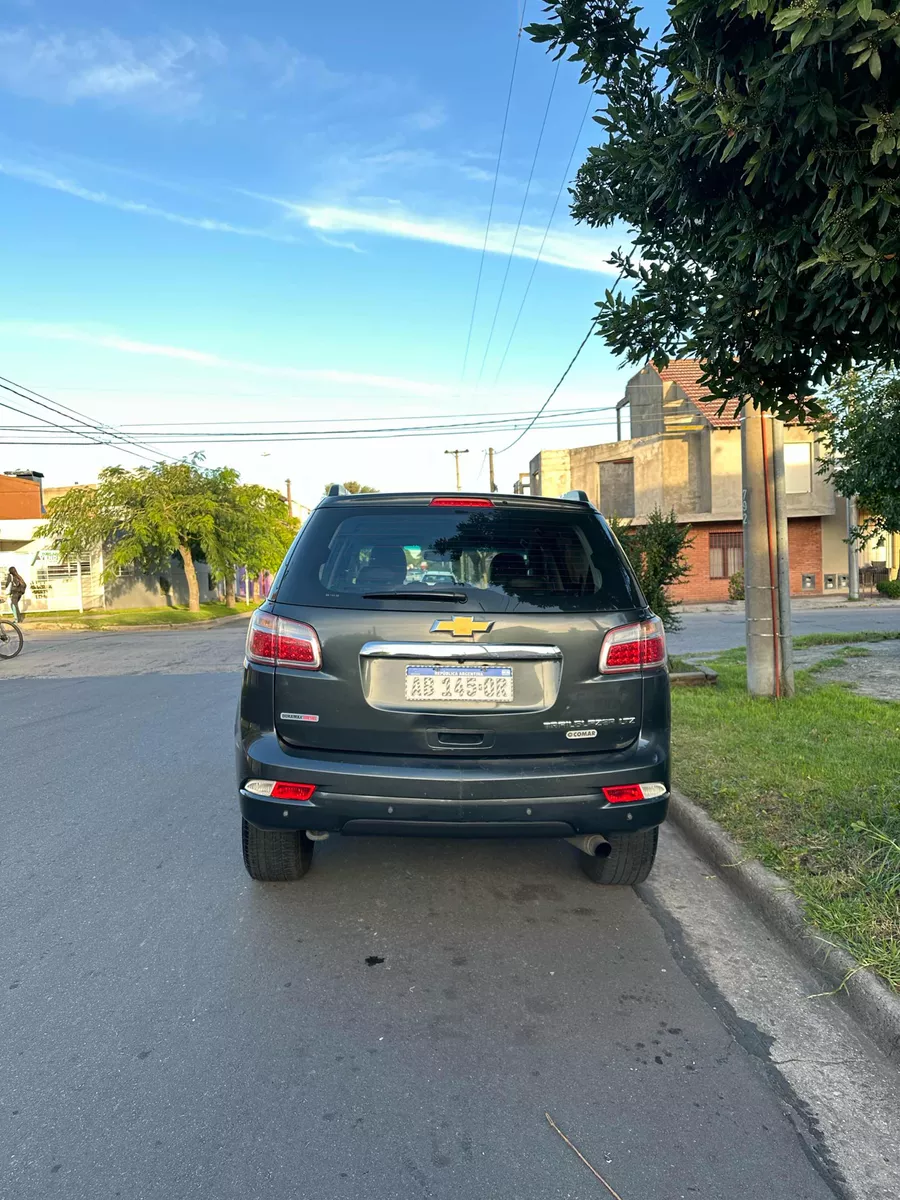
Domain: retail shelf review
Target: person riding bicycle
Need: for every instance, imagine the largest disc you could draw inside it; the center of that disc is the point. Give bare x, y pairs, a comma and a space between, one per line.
15, 585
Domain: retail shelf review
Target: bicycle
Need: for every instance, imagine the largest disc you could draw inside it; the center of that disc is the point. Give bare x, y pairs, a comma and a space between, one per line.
11, 640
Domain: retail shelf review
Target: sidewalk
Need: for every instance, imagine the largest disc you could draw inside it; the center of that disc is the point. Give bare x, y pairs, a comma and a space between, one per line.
133, 619
798, 604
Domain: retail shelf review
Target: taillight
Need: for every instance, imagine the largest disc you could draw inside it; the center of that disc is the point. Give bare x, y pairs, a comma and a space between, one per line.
460, 502
281, 642
627, 793
293, 791
302, 792
631, 647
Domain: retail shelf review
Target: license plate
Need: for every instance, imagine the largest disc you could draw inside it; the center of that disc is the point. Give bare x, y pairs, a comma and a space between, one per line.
459, 684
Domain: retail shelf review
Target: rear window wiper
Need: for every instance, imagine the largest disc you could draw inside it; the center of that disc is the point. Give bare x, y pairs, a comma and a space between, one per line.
447, 597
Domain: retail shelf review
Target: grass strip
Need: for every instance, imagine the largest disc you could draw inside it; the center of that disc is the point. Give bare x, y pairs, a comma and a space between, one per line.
811, 787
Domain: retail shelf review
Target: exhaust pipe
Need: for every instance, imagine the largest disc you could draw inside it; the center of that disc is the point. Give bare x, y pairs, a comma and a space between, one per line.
593, 844
316, 835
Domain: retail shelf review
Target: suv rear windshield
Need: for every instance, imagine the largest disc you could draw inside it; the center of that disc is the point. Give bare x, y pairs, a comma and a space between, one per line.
496, 560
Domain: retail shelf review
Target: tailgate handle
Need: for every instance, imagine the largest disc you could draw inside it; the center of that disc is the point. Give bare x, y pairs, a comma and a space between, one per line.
461, 739
458, 739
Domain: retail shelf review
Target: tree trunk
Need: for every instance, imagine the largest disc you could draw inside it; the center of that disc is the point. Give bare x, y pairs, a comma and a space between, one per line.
229, 589
190, 573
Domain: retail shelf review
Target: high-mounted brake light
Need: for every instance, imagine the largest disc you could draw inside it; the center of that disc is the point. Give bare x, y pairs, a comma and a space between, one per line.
633, 647
627, 793
281, 642
460, 502
301, 792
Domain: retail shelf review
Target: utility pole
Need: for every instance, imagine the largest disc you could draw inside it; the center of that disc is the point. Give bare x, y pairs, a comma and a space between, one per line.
770, 670
290, 503
491, 468
456, 454
852, 549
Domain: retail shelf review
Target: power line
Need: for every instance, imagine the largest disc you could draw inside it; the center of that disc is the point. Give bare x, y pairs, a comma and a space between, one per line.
534, 265
515, 240
559, 384
490, 422
500, 414
343, 435
41, 401
93, 441
487, 228
22, 412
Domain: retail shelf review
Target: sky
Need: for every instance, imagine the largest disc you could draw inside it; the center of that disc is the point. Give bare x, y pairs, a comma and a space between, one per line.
256, 213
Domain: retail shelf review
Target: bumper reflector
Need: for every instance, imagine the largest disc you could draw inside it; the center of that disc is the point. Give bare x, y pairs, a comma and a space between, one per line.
627, 793
302, 792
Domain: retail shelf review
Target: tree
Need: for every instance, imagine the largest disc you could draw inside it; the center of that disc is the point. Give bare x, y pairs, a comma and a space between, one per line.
862, 448
353, 487
658, 553
142, 516
754, 152
252, 528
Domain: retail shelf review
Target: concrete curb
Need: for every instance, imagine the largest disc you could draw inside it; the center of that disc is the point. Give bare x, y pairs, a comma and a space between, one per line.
798, 604
872, 1004
46, 627
700, 676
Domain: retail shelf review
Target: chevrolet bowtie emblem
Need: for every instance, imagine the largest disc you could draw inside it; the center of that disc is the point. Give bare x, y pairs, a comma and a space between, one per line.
462, 626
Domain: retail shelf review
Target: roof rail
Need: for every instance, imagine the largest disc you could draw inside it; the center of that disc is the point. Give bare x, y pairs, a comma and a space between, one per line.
576, 495
338, 489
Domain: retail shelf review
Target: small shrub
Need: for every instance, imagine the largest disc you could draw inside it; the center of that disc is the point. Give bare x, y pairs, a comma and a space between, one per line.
164, 585
657, 552
889, 588
736, 586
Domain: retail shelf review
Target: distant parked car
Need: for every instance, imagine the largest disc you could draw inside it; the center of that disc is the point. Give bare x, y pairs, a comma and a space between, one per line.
526, 694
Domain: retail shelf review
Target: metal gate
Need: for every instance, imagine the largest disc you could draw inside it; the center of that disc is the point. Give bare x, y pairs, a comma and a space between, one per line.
67, 584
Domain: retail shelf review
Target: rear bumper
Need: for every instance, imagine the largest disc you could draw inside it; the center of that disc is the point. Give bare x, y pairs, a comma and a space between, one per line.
542, 797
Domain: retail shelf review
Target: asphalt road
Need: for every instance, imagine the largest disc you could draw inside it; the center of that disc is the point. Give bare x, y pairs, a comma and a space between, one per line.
703, 631
173, 1031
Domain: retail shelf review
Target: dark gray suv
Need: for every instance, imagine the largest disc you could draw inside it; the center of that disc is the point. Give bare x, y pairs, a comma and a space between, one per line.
525, 695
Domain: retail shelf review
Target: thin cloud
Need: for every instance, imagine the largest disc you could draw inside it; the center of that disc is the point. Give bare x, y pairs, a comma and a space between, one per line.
65, 68
186, 76
575, 251
202, 358
68, 187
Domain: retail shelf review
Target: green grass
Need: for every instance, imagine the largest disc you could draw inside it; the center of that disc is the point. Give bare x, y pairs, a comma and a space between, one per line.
108, 618
810, 786
680, 664
805, 640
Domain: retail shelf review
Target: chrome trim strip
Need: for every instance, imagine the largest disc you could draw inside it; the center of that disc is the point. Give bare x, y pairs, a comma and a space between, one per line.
486, 651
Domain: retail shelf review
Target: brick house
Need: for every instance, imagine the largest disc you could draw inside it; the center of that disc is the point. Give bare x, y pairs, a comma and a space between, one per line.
21, 494
681, 453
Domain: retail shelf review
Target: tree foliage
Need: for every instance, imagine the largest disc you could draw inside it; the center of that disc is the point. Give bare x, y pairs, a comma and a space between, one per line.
252, 528
658, 553
145, 516
862, 448
354, 488
754, 152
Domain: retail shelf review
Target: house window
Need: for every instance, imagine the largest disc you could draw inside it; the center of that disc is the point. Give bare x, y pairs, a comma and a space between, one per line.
726, 554
797, 467
64, 570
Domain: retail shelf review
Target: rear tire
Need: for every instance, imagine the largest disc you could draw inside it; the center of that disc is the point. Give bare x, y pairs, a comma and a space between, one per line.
629, 862
275, 856
10, 639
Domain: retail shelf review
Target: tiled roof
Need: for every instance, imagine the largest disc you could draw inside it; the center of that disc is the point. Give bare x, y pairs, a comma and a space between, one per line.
686, 373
